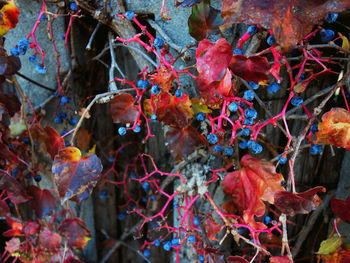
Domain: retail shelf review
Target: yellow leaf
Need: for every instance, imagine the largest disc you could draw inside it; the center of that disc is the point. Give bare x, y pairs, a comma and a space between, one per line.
345, 44
92, 150
17, 127
329, 245
198, 104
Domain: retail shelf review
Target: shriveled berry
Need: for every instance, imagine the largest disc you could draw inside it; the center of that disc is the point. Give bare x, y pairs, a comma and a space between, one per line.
316, 149
167, 246
253, 85
331, 17
23, 46
37, 178
73, 7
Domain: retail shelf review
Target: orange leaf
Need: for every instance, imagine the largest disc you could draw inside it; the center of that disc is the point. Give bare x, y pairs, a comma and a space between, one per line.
212, 228
9, 17
48, 139
123, 109
335, 128
76, 232
254, 183
279, 259
164, 78
298, 203
75, 176
83, 139
290, 21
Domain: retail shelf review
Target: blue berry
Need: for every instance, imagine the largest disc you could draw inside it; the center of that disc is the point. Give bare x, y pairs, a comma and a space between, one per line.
200, 116
212, 138
154, 117
43, 18
40, 68
145, 186
248, 121
196, 221
63, 36
111, 159
73, 7
158, 42
152, 197
314, 128
37, 178
201, 258
326, 35
122, 216
238, 51
58, 120
243, 145
132, 176
14, 51
175, 205
245, 132
137, 129
249, 95
167, 246
270, 41
32, 59
297, 101
282, 160
273, 88
155, 90
191, 239
178, 93
316, 149
144, 199
175, 242
157, 242
267, 220
218, 148
73, 121
233, 107
103, 194
250, 113
14, 172
228, 151
253, 85
63, 115
23, 46
143, 84
250, 144
28, 176
252, 30
257, 148
331, 17
35, 144
66, 144
130, 15
146, 253
122, 131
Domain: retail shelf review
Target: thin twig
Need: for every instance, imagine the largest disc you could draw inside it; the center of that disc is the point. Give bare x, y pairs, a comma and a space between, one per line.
34, 82
325, 46
88, 46
285, 243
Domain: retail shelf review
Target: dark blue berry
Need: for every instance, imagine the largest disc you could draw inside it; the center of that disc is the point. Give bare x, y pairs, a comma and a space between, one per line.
28, 176
212, 138
316, 149
257, 148
245, 132
122, 216
14, 51
40, 68
130, 15
314, 128
167, 246
67, 144
331, 17
249, 95
228, 151
250, 144
103, 194
157, 242
158, 43
23, 46
137, 129
196, 221
178, 93
63, 36
233, 107
154, 117
238, 51
73, 121
282, 160
63, 100
73, 7
145, 186
152, 197
297, 101
273, 88
146, 253
111, 159
14, 172
144, 199
200, 116
326, 35
143, 84
175, 242
122, 131
267, 220
155, 89
63, 115
253, 85
252, 30
201, 258
270, 41
243, 145
250, 113
218, 148
37, 178
32, 59
248, 121
58, 120
191, 239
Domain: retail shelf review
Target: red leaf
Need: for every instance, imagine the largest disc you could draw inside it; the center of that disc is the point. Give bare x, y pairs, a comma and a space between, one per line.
13, 188
213, 255
164, 78
75, 176
290, 21
254, 183
31, 228
16, 227
341, 208
213, 59
123, 109
11, 103
182, 142
48, 139
279, 259
298, 203
43, 201
254, 68
236, 259
49, 241
212, 228
76, 232
6, 154
4, 208
335, 128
